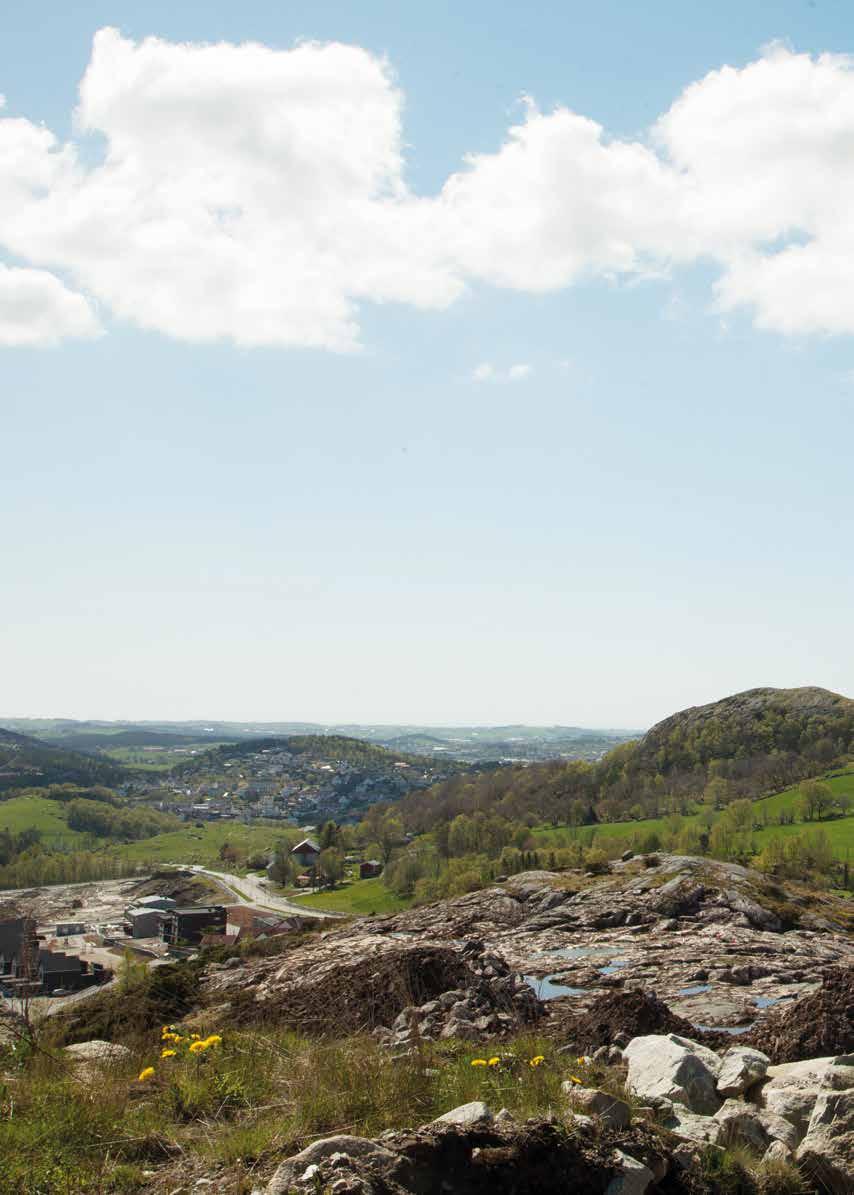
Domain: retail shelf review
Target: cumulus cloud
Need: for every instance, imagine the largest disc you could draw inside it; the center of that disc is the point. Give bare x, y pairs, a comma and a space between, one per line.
37, 309
260, 195
487, 372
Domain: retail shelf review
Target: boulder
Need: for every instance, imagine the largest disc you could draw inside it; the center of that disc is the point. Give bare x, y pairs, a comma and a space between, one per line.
104, 1052
294, 1168
674, 1068
777, 1151
791, 1090
591, 1102
742, 1125
466, 1114
690, 1126
741, 1067
632, 1177
826, 1154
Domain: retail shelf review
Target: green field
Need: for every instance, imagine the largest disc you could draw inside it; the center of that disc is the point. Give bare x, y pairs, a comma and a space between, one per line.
361, 897
38, 813
840, 830
201, 844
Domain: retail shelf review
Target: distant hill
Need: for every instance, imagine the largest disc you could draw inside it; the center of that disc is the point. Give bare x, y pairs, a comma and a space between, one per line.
323, 748
472, 744
26, 762
744, 746
812, 723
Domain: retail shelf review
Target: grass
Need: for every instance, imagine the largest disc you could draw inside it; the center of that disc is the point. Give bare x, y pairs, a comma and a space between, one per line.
241, 1106
201, 844
840, 830
38, 813
360, 896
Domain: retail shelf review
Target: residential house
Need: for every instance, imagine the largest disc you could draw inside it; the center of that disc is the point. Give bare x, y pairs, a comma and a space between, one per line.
305, 853
369, 869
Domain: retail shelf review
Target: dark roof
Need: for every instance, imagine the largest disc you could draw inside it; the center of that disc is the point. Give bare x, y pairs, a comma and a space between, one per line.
199, 909
57, 961
309, 842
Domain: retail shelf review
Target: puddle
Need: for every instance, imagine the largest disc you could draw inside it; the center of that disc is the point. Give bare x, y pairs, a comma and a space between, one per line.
734, 1030
580, 952
697, 990
766, 1001
614, 967
547, 989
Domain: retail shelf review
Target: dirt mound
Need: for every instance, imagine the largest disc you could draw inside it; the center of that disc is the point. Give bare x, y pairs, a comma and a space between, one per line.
815, 1027
361, 993
630, 1013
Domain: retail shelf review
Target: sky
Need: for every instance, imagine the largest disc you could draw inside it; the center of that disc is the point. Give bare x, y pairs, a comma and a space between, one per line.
441, 363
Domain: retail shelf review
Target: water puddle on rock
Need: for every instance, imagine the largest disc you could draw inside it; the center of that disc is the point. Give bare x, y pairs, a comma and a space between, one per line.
614, 966
766, 1001
733, 1030
696, 990
547, 989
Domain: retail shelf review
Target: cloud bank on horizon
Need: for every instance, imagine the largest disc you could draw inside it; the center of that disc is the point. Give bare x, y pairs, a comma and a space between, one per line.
259, 196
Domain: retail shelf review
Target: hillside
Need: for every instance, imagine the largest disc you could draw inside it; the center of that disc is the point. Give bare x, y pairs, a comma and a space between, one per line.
744, 746
26, 762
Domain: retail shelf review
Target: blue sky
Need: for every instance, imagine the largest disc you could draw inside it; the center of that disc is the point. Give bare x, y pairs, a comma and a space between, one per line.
367, 516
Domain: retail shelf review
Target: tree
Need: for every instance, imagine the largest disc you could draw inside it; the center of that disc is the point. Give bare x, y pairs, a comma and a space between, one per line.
331, 865
815, 799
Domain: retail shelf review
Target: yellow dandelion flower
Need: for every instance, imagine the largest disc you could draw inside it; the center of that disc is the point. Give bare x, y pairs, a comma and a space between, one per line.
213, 1040
478, 1062
575, 1079
146, 1073
195, 1036
197, 1047
537, 1059
168, 1053
493, 1061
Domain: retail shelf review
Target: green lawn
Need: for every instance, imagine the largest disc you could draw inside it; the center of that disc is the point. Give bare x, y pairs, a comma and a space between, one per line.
360, 897
38, 813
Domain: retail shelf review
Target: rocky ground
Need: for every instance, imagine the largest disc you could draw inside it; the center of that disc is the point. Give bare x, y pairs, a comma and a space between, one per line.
717, 943
723, 1006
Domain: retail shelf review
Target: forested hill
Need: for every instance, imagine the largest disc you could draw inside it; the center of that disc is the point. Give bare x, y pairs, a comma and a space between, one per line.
315, 747
746, 745
27, 762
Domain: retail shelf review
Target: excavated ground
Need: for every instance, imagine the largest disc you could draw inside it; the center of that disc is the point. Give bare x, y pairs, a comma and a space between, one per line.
715, 943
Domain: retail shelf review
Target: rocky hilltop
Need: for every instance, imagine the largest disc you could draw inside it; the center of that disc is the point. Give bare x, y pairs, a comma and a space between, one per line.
753, 722
619, 1034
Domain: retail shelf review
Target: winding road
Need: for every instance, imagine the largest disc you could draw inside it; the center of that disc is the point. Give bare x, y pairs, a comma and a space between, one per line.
248, 890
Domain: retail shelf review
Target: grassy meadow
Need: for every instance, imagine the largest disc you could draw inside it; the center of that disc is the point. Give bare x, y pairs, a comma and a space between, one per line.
38, 813
361, 897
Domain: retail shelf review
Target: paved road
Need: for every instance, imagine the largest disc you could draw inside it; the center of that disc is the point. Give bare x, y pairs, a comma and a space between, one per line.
248, 890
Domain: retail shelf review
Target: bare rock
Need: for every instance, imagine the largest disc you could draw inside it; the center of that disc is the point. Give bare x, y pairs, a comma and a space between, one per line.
741, 1068
466, 1114
673, 1068
826, 1154
632, 1177
294, 1168
591, 1102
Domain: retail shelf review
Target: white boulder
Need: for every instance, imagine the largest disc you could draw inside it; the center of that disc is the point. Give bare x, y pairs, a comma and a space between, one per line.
673, 1068
741, 1067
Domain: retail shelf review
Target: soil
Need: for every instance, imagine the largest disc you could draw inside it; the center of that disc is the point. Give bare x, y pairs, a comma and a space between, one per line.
630, 1013
363, 992
819, 1025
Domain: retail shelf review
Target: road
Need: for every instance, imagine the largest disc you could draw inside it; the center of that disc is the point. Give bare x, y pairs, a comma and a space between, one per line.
248, 890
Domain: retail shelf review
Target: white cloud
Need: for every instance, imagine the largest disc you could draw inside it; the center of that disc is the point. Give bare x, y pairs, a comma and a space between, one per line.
259, 195
487, 372
37, 309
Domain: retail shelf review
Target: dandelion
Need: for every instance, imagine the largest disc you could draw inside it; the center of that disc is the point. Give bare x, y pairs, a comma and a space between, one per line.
536, 1060
168, 1053
197, 1047
146, 1073
575, 1079
583, 1060
474, 1061
195, 1036
493, 1062
213, 1040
